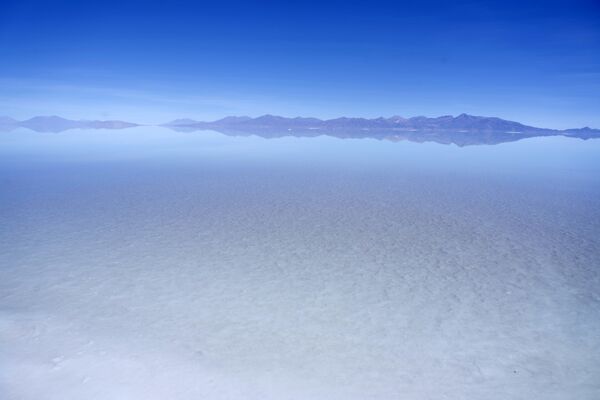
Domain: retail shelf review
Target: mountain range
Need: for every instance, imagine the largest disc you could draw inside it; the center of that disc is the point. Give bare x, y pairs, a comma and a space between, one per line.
58, 124
461, 123
462, 130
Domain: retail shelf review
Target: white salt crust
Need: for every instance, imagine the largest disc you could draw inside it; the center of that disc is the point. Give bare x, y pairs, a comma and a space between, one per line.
204, 281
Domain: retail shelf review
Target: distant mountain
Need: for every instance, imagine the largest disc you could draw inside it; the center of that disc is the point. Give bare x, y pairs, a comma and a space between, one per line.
461, 123
582, 133
463, 129
57, 124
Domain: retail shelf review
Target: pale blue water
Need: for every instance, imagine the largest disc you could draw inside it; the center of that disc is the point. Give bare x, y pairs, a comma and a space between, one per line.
147, 263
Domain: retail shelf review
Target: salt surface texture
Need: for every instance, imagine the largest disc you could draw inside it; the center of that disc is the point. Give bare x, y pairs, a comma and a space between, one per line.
161, 265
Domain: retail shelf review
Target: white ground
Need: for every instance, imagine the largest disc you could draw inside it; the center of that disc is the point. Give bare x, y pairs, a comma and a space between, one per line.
189, 282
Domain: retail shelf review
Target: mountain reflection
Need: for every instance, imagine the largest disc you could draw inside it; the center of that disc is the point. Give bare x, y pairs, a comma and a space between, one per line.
441, 137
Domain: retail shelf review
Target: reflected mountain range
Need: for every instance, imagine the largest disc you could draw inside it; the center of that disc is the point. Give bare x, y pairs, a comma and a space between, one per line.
462, 130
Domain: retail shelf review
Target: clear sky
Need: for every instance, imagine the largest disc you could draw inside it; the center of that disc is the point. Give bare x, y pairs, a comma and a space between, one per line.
534, 62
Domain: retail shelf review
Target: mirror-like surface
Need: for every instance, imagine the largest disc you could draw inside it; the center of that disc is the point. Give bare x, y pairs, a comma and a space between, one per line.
148, 263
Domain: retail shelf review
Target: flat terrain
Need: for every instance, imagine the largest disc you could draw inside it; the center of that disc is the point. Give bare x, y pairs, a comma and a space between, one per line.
246, 268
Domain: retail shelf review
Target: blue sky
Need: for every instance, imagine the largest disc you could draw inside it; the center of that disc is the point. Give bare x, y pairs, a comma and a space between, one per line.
535, 62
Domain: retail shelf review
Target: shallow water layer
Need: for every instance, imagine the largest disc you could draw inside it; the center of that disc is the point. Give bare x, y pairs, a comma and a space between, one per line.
154, 264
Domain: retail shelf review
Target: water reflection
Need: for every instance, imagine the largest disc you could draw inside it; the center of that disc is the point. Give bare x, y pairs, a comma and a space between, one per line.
392, 135
459, 138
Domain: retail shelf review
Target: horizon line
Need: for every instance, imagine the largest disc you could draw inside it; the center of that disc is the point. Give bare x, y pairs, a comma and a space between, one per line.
280, 116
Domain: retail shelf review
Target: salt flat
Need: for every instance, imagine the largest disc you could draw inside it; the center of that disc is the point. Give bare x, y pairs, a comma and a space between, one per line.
162, 265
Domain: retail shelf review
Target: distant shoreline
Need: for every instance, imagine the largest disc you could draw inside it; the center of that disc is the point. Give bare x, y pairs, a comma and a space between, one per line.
461, 130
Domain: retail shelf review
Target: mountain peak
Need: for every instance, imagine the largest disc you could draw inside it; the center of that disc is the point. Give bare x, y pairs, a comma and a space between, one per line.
46, 118
396, 118
234, 119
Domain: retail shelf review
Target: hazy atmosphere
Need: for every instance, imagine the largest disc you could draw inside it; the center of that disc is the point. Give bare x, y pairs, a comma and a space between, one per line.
270, 201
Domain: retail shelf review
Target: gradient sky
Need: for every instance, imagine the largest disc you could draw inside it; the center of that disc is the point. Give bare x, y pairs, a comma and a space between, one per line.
534, 62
